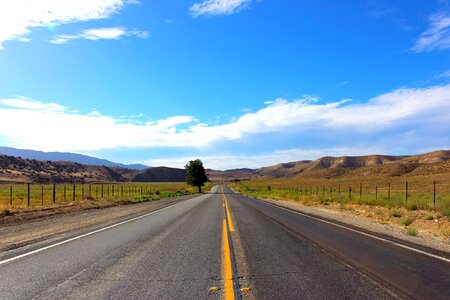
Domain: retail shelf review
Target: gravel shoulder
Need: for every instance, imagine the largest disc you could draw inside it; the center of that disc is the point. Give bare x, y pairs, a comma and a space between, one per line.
359, 219
24, 228
348, 217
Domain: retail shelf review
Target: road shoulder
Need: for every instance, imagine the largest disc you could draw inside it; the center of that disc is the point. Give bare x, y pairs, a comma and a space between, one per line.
24, 232
423, 240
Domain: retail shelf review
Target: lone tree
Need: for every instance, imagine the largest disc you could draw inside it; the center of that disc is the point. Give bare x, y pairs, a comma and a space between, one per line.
195, 174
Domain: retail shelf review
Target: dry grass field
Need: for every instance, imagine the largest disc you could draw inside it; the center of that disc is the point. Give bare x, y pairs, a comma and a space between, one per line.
15, 196
418, 203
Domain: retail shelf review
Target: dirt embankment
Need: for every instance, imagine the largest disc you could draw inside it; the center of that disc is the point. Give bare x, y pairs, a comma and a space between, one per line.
24, 227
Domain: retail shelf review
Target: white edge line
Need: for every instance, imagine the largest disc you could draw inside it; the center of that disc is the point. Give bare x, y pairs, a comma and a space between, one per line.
361, 232
84, 235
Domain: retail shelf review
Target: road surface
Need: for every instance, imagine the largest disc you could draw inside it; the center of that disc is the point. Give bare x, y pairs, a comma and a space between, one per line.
223, 246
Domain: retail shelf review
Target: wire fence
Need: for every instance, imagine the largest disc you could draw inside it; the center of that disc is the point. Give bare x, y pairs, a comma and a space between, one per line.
414, 195
20, 195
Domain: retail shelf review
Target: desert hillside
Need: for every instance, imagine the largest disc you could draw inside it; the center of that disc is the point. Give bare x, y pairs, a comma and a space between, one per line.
16, 169
159, 174
437, 162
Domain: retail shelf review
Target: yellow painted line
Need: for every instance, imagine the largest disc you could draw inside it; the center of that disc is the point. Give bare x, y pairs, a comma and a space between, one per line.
230, 222
227, 269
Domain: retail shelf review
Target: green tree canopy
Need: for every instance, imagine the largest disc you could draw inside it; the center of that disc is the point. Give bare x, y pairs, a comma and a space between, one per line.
195, 174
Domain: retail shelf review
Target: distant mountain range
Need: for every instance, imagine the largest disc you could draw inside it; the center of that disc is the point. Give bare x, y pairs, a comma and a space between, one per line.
19, 169
66, 156
437, 162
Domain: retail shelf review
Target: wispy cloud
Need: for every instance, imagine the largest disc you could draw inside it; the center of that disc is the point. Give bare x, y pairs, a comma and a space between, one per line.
406, 116
445, 74
385, 10
437, 36
111, 33
218, 7
19, 18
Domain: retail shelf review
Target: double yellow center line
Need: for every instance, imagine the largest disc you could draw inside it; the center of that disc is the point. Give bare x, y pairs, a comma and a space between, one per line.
227, 268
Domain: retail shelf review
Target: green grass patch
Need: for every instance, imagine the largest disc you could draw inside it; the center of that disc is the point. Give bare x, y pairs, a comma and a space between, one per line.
395, 214
406, 221
411, 206
411, 231
446, 212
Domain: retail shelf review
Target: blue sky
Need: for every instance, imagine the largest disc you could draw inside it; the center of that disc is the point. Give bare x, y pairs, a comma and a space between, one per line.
237, 83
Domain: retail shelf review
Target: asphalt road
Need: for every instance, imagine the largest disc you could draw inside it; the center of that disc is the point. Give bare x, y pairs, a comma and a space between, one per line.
223, 246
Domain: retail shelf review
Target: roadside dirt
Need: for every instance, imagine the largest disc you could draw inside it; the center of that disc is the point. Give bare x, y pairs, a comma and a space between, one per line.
24, 227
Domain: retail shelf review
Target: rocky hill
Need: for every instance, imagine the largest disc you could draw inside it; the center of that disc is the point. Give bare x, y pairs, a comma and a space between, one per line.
437, 162
16, 169
229, 175
159, 174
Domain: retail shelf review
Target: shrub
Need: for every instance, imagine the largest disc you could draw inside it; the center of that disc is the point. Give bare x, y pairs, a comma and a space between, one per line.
412, 231
406, 221
429, 218
411, 206
395, 214
446, 212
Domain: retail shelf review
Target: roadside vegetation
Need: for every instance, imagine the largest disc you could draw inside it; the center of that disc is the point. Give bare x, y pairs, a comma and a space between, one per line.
418, 202
45, 195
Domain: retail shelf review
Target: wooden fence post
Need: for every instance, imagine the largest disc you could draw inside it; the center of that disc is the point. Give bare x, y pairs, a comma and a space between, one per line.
434, 193
389, 191
350, 192
73, 193
54, 193
28, 195
42, 195
102, 191
360, 191
376, 192
10, 195
65, 194
406, 192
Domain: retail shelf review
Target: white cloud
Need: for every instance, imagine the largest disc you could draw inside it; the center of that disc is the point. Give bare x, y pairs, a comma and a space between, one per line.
217, 7
18, 18
33, 105
437, 36
409, 115
111, 33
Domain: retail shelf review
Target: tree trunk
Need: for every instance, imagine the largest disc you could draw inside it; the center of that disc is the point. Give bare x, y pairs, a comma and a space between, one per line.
200, 189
